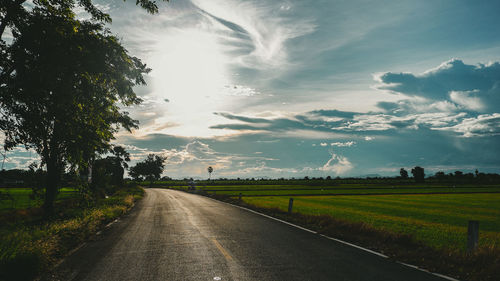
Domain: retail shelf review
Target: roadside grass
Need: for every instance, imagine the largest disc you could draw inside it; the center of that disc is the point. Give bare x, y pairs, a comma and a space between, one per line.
438, 221
19, 198
30, 245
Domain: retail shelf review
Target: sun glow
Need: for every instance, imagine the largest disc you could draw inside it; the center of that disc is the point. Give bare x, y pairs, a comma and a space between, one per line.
190, 71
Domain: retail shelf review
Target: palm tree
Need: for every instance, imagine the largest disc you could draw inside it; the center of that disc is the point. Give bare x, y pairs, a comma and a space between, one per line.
210, 170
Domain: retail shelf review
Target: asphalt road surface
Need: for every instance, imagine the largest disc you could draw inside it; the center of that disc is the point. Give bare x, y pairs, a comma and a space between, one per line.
172, 235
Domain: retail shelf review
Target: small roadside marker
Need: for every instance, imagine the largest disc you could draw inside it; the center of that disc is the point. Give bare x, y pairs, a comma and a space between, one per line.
217, 278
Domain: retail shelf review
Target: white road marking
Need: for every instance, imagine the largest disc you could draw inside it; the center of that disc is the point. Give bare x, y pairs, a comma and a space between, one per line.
355, 246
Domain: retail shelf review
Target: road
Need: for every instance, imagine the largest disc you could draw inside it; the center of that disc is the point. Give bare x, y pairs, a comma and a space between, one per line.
172, 235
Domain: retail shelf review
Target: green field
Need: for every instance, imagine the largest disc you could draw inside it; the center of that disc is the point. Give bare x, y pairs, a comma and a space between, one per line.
21, 198
343, 189
439, 221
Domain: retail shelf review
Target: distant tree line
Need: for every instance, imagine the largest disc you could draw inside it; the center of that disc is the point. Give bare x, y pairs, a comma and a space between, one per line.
108, 173
418, 176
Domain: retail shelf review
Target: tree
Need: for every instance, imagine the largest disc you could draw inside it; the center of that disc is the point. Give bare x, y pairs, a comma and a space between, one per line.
210, 170
403, 173
13, 12
151, 168
440, 176
418, 174
120, 158
107, 173
61, 85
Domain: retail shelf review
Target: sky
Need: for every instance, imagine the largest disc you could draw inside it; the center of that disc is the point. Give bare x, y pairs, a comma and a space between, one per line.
266, 88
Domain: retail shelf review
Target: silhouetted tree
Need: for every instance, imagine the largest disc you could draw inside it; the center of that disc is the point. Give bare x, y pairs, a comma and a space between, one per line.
61, 83
151, 168
440, 176
418, 174
210, 170
120, 158
403, 173
107, 173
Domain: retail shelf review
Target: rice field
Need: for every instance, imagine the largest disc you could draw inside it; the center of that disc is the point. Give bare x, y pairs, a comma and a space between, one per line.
302, 190
19, 198
439, 221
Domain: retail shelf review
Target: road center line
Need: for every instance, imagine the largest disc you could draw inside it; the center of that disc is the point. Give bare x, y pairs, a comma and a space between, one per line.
222, 250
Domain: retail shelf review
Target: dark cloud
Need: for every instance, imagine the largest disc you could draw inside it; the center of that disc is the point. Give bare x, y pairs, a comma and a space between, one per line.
373, 123
472, 87
242, 118
333, 113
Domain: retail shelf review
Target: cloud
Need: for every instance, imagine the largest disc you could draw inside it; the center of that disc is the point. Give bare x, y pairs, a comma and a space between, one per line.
240, 90
482, 125
254, 32
344, 126
337, 164
470, 87
343, 144
18, 158
468, 99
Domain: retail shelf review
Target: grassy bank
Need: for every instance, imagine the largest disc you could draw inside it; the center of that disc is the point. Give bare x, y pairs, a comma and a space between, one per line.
30, 245
426, 230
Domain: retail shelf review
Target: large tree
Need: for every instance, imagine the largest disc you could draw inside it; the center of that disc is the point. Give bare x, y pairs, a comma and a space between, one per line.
149, 169
62, 81
418, 174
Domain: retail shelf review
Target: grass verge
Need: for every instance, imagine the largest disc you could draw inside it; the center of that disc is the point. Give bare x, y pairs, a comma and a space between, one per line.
30, 246
483, 264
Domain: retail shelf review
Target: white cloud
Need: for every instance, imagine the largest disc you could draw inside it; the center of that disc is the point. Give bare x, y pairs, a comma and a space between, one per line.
482, 125
343, 144
468, 99
337, 164
255, 26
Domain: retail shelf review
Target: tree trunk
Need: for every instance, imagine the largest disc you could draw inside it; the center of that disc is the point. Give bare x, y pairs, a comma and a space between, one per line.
52, 185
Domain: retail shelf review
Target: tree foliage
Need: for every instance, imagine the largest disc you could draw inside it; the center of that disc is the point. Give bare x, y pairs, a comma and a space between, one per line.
149, 169
62, 81
210, 170
13, 12
418, 174
403, 173
107, 173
